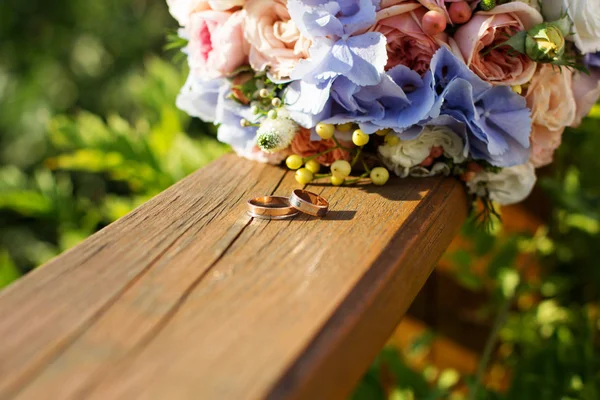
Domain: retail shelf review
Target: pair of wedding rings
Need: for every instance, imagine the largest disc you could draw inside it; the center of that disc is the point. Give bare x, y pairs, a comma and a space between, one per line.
276, 207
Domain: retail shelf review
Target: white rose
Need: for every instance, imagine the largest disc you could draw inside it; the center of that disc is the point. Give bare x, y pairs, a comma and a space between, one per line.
182, 9
585, 15
509, 186
409, 154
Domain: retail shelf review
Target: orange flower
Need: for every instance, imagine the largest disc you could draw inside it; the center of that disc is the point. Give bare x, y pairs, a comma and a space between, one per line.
305, 147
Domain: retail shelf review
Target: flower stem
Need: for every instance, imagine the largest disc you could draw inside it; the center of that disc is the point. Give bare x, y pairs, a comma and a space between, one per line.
320, 176
356, 156
366, 167
339, 145
356, 180
307, 159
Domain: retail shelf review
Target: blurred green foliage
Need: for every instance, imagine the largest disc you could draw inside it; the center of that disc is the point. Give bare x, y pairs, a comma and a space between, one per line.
88, 123
548, 327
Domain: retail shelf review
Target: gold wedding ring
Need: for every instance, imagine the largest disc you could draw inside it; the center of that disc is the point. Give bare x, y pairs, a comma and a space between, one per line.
309, 203
271, 207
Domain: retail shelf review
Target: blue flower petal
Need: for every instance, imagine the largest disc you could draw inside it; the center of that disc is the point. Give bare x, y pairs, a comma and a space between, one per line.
356, 15
369, 56
199, 98
446, 67
308, 103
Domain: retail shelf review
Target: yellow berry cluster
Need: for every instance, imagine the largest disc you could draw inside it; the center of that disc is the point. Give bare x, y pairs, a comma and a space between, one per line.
307, 169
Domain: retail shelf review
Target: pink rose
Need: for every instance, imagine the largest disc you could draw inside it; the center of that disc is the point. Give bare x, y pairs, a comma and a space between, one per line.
217, 46
586, 90
276, 42
489, 28
400, 22
550, 98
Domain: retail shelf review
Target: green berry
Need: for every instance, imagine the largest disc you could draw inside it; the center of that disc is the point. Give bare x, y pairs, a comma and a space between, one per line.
294, 161
272, 114
313, 166
380, 176
337, 181
487, 5
341, 168
264, 93
360, 138
325, 131
276, 102
304, 176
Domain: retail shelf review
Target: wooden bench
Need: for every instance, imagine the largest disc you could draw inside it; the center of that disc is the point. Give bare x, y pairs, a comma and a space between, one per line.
189, 298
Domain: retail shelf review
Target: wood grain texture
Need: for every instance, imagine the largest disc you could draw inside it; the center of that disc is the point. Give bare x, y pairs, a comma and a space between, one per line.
188, 297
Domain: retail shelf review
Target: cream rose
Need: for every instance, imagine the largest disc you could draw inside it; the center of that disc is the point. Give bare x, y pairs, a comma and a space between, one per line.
487, 29
216, 43
509, 186
276, 42
585, 15
553, 107
407, 155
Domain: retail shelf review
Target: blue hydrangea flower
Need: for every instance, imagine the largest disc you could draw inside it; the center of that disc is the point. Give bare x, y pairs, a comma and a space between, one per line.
497, 119
209, 100
229, 115
332, 19
400, 100
199, 98
339, 49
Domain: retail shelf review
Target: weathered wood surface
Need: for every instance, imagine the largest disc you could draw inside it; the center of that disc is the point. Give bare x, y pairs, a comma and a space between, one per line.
189, 298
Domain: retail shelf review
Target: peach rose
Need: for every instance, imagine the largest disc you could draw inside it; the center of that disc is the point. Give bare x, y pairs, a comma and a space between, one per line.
489, 28
305, 147
216, 43
400, 22
553, 107
181, 10
586, 90
276, 42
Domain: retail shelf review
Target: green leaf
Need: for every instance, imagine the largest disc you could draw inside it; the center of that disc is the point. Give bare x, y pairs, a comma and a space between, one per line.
8, 270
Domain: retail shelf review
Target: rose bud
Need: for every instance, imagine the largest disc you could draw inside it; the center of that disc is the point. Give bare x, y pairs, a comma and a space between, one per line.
545, 43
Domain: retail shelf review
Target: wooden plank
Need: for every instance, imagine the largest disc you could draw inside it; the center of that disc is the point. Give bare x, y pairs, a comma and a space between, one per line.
188, 297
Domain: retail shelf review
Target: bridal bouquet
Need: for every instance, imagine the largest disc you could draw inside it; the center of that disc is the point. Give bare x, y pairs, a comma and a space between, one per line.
352, 90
